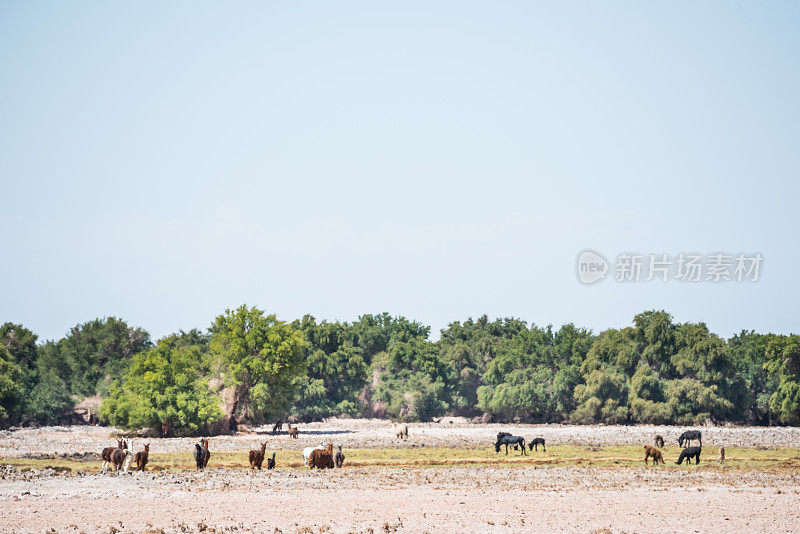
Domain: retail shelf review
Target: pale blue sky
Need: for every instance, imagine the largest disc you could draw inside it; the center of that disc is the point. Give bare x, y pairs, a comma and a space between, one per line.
164, 161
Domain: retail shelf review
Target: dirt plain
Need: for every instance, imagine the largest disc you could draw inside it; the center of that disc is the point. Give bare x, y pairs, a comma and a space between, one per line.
444, 478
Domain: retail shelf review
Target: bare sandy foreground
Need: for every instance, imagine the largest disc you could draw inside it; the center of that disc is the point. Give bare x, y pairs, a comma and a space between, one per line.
442, 499
460, 498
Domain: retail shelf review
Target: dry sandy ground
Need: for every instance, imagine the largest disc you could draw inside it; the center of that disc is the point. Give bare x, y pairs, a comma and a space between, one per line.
522, 498
361, 433
443, 499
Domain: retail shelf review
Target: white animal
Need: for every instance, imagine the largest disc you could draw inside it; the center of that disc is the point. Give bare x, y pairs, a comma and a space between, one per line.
127, 462
307, 452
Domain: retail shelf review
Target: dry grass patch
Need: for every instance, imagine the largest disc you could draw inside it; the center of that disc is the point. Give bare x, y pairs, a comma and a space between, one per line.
562, 455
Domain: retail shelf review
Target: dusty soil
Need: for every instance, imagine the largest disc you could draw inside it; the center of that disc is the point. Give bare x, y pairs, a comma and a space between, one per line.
474, 498
446, 499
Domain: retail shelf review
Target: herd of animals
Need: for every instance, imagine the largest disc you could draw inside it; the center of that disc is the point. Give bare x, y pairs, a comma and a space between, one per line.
323, 457
650, 452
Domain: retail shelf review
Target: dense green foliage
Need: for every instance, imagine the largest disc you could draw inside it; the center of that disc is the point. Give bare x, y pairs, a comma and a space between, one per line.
165, 384
253, 368
93, 353
260, 357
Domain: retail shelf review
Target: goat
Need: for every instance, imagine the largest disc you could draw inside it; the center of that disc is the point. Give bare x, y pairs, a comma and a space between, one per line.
659, 441
652, 452
271, 462
142, 457
201, 454
689, 436
339, 459
293, 432
257, 457
535, 442
321, 459
105, 455
509, 440
688, 453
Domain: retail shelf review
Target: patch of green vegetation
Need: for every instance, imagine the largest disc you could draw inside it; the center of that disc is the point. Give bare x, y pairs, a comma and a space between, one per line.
558, 455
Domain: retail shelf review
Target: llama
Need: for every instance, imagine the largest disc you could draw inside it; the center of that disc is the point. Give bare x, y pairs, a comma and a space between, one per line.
689, 436
535, 442
293, 431
257, 457
321, 459
271, 462
659, 441
128, 457
142, 457
307, 452
105, 455
120, 459
339, 458
201, 454
509, 440
652, 452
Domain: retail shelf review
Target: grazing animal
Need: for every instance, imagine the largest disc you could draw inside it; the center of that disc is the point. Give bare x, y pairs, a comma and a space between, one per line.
293, 432
501, 435
142, 457
509, 440
271, 462
401, 432
535, 442
652, 452
689, 436
201, 454
659, 441
118, 460
721, 458
105, 455
307, 452
257, 457
688, 453
321, 459
339, 458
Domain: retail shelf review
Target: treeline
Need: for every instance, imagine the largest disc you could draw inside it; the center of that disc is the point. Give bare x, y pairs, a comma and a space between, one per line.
251, 368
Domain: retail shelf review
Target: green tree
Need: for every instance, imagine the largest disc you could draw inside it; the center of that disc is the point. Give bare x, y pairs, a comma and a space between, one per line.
602, 399
99, 350
260, 358
749, 353
783, 353
11, 389
336, 371
165, 384
48, 399
413, 380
